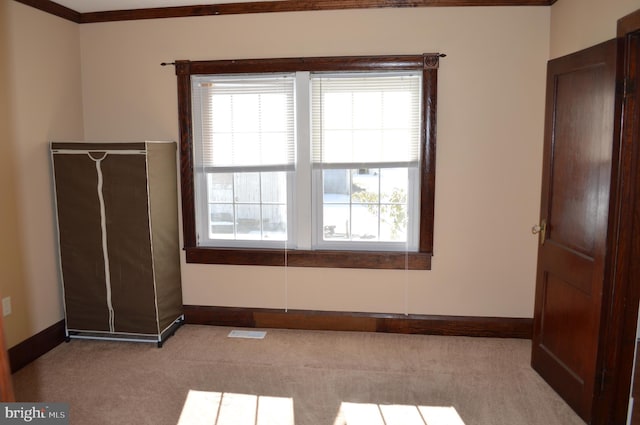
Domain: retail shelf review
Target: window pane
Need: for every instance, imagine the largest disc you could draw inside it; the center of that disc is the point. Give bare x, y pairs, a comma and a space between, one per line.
393, 222
248, 206
274, 112
364, 222
274, 187
394, 143
220, 187
337, 144
222, 150
375, 208
246, 113
221, 225
273, 148
368, 145
394, 185
274, 222
244, 121
246, 148
398, 110
337, 110
367, 110
336, 186
365, 187
247, 187
248, 221
221, 115
360, 118
336, 222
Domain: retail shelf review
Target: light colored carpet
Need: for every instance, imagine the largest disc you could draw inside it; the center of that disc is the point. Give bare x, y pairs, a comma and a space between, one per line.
296, 377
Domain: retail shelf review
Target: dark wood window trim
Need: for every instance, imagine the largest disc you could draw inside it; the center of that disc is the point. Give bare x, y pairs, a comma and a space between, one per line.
420, 260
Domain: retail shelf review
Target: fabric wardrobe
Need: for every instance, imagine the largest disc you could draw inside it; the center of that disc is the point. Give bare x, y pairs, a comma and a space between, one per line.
117, 219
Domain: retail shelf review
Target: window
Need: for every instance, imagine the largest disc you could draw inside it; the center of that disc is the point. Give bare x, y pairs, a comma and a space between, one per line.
365, 138
244, 152
324, 162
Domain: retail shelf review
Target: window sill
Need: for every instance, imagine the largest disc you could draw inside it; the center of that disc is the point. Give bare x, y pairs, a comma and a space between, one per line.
300, 258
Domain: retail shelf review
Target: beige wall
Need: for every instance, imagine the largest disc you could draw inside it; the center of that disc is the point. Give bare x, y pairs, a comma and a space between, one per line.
578, 24
490, 121
489, 142
45, 102
12, 279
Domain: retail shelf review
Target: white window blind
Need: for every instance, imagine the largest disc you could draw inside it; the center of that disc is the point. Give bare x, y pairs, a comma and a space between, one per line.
243, 123
360, 120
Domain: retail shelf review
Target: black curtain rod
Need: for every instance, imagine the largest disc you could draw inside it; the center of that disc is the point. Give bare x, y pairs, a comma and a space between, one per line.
441, 55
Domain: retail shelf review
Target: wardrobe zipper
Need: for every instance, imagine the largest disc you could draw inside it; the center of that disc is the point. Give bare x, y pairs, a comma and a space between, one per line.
105, 252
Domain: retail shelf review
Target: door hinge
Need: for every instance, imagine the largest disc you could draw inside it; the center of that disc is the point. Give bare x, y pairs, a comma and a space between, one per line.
602, 376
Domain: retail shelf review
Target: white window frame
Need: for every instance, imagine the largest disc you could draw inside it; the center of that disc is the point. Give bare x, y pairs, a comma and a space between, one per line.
201, 173
305, 214
413, 195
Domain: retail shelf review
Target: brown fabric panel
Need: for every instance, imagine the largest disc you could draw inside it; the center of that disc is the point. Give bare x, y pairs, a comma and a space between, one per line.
98, 146
163, 198
129, 246
81, 253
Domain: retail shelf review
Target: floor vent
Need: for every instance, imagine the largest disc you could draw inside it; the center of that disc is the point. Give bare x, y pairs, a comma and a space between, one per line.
247, 334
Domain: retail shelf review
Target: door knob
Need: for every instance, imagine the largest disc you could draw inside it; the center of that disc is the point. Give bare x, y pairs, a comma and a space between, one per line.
540, 228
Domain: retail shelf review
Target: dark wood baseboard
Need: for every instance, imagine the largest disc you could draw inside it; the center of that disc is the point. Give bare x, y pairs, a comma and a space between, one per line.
32, 348
495, 327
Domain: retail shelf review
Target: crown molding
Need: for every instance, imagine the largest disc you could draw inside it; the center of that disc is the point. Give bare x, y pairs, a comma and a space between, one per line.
259, 7
54, 9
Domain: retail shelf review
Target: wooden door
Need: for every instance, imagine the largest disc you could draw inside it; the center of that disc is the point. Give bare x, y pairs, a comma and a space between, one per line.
579, 126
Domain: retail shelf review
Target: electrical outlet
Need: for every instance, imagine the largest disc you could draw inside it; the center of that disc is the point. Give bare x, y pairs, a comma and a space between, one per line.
6, 306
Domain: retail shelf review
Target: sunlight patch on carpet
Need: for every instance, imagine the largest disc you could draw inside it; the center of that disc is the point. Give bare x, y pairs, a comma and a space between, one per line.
396, 414
214, 408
